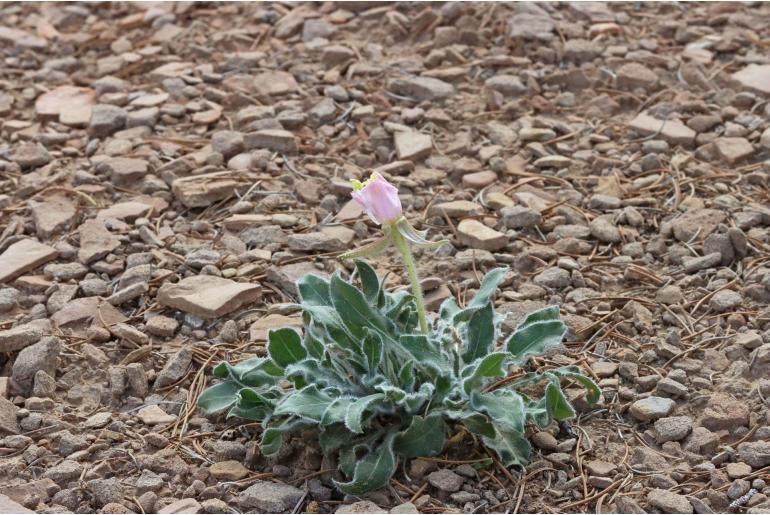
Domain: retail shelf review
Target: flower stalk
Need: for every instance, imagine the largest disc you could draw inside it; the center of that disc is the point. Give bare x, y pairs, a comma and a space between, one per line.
406, 254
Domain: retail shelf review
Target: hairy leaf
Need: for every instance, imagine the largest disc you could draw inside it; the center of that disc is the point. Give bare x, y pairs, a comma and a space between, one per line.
505, 407
307, 403
490, 366
354, 310
314, 290
285, 346
370, 283
425, 436
558, 405
480, 334
373, 471
511, 447
333, 437
534, 338
218, 397
373, 351
355, 413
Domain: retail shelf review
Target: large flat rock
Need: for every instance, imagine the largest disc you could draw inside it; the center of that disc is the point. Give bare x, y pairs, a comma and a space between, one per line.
673, 131
207, 296
754, 77
23, 256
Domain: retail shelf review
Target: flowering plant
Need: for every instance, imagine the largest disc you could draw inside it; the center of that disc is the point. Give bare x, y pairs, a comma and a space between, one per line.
381, 383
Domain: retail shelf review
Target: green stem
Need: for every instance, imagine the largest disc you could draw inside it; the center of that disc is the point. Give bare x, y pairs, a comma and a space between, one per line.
411, 270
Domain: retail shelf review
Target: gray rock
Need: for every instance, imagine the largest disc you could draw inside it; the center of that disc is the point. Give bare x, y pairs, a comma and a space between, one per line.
756, 454
446, 480
19, 337
105, 491
508, 85
553, 277
227, 143
175, 368
269, 497
40, 356
669, 502
695, 264
31, 155
199, 258
64, 472
672, 429
651, 408
604, 230
520, 217
8, 299
725, 300
421, 88
106, 119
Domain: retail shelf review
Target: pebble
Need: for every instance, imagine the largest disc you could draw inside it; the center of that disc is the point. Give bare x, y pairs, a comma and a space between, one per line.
651, 408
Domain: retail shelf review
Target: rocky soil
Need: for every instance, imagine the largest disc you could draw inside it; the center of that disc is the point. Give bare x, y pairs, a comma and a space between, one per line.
168, 170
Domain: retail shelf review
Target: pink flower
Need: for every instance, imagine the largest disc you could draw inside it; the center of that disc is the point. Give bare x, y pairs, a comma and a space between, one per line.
379, 199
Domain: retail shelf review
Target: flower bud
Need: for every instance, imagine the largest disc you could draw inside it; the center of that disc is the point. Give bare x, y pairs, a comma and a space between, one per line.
379, 199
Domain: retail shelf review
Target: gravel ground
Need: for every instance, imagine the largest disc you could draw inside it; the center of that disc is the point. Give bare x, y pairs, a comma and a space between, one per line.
168, 170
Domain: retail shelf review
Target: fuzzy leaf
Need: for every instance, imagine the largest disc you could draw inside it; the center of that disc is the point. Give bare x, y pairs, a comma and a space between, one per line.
534, 338
334, 437
370, 283
558, 405
314, 290
422, 349
511, 447
425, 436
272, 437
373, 351
488, 286
353, 308
505, 407
285, 346
336, 411
480, 334
478, 424
309, 403
490, 366
218, 397
373, 471
573, 372
355, 413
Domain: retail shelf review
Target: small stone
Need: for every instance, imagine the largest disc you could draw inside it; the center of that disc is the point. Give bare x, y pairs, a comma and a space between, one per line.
476, 235
737, 470
360, 507
19, 337
553, 277
456, 209
31, 155
445, 480
669, 502
651, 408
272, 139
519, 217
545, 440
672, 429
413, 146
671, 130
207, 296
95, 241
40, 356
756, 454
23, 256
64, 472
175, 369
227, 143
153, 414
125, 170
601, 468
269, 497
54, 215
725, 300
8, 414
754, 77
508, 85
162, 326
634, 75
229, 470
697, 223
604, 230
733, 150
421, 88
106, 120
188, 505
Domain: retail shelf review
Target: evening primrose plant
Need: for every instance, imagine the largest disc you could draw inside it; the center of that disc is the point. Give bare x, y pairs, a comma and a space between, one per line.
381, 382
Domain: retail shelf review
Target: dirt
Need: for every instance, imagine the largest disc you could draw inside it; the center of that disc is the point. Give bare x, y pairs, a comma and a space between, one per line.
168, 170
